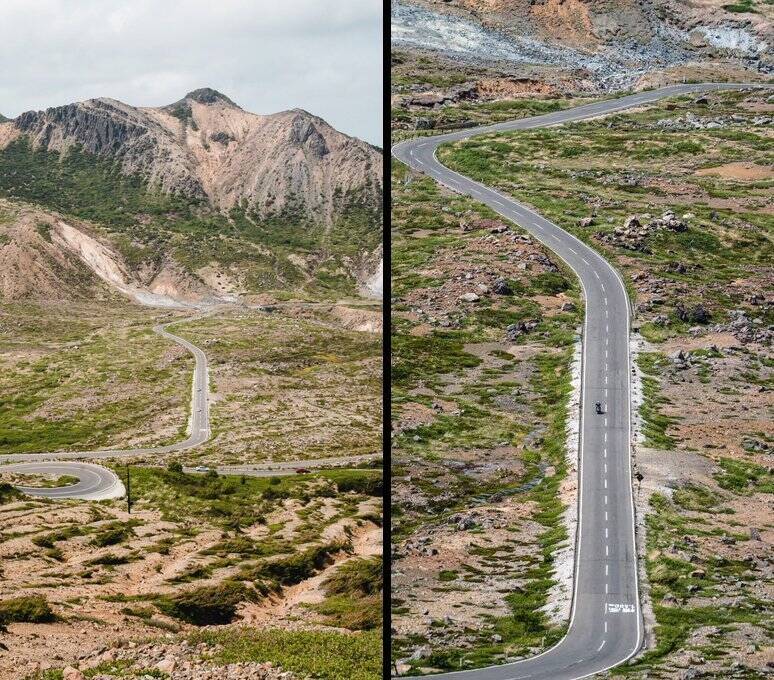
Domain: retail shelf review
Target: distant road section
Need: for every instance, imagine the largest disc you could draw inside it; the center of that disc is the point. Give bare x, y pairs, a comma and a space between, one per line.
606, 621
99, 483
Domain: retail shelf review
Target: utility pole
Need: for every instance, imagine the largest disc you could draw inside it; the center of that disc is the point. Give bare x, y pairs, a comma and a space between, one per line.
128, 491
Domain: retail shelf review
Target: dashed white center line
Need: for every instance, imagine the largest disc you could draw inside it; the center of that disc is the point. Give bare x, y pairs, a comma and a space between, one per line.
607, 550
585, 260
606, 566
605, 421
502, 205
606, 534
420, 161
606, 482
605, 301
607, 328
572, 250
607, 316
607, 588
605, 438
596, 273
606, 626
605, 380
605, 468
600, 646
605, 499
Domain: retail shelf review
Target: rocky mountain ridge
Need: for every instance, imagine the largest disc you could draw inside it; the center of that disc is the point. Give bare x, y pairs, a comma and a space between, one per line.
206, 147
199, 199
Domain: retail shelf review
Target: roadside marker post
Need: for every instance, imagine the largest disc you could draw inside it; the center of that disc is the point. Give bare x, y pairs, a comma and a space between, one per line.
128, 492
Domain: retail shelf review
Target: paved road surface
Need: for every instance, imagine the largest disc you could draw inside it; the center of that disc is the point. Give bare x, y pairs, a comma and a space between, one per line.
606, 621
98, 482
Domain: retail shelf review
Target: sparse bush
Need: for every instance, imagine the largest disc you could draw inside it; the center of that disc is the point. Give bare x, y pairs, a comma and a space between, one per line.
112, 535
358, 577
296, 568
208, 605
27, 609
8, 493
109, 559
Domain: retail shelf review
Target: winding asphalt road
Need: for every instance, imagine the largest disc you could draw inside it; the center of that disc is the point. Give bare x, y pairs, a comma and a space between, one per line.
98, 483
606, 621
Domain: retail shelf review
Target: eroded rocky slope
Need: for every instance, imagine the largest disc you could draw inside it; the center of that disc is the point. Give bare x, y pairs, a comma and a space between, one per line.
588, 45
205, 146
239, 202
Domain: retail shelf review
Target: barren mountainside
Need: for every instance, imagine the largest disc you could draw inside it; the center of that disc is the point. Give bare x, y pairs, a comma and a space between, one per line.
205, 146
220, 201
593, 44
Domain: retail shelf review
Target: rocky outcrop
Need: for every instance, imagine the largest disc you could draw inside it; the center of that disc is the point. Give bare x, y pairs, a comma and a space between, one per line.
633, 235
601, 44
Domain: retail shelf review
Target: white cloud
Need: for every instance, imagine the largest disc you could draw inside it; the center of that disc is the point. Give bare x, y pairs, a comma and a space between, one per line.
267, 55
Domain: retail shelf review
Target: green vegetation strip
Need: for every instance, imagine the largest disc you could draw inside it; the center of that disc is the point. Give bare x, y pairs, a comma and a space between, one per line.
320, 654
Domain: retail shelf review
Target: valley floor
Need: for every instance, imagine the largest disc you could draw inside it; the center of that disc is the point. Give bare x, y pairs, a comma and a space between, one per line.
223, 574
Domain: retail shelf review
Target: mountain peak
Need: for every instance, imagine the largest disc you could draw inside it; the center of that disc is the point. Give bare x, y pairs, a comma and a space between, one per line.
207, 95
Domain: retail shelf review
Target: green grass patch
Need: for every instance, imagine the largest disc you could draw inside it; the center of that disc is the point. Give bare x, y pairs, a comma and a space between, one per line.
320, 654
27, 609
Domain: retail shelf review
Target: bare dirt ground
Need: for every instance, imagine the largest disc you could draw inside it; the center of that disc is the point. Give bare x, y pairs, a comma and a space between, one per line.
739, 171
94, 603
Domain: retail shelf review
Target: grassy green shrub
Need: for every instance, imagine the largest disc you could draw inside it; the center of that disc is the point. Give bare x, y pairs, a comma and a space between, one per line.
113, 534
358, 577
319, 654
367, 482
744, 477
293, 569
27, 609
353, 613
208, 605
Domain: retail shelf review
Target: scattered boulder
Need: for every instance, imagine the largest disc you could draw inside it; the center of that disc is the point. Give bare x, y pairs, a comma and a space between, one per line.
695, 314
680, 360
515, 330
501, 287
586, 222
469, 297
632, 223
422, 652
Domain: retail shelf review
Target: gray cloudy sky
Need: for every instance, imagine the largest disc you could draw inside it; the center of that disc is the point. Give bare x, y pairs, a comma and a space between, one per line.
267, 55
